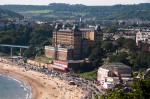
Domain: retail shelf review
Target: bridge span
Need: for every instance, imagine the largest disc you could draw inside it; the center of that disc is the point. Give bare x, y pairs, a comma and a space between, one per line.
14, 46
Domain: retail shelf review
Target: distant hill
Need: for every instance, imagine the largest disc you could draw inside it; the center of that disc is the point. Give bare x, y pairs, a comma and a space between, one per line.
9, 14
66, 11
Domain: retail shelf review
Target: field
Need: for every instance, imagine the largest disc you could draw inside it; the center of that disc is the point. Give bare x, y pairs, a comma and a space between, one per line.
38, 11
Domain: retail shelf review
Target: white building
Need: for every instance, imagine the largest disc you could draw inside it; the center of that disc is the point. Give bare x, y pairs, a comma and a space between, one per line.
143, 36
112, 73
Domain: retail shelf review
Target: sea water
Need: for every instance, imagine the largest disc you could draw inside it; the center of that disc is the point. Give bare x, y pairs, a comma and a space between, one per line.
11, 88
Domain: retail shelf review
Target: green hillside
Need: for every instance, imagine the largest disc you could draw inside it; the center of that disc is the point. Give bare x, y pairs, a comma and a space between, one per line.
66, 11
9, 14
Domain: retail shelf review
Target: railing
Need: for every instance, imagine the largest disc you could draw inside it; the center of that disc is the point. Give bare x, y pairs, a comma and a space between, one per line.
17, 46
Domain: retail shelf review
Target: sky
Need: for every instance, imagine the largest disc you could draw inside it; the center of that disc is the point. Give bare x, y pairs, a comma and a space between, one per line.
85, 2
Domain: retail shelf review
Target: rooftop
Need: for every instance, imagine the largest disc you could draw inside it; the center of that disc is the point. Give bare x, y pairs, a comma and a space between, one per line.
114, 64
72, 61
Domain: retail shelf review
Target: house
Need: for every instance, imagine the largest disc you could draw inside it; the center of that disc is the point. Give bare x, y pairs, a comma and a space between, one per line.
124, 35
108, 36
144, 45
143, 40
142, 36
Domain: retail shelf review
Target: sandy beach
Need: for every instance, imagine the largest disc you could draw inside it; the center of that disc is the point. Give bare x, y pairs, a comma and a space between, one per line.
43, 86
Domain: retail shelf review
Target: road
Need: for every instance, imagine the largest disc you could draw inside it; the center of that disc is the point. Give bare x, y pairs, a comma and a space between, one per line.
87, 86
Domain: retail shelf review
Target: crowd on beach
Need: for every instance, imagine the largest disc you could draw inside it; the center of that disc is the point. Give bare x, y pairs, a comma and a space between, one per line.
87, 86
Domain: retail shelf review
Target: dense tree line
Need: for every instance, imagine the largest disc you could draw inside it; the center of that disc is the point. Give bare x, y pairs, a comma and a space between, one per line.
35, 38
124, 50
140, 89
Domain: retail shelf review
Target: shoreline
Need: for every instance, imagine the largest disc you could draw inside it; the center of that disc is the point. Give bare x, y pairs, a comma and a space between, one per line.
27, 88
19, 79
24, 85
42, 86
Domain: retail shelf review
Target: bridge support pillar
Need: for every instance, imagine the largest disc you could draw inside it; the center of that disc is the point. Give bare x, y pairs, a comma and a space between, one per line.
11, 51
20, 51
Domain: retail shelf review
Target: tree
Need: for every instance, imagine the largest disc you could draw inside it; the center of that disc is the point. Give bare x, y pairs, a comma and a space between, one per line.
47, 42
107, 45
122, 57
140, 90
120, 41
130, 44
88, 51
40, 35
148, 60
112, 58
142, 60
31, 52
96, 55
96, 63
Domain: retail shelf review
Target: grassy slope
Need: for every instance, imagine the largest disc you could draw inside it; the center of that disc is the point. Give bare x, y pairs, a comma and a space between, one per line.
91, 74
43, 58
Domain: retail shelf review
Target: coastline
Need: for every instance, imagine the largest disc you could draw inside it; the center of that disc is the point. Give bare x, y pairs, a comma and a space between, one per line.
43, 86
21, 80
24, 85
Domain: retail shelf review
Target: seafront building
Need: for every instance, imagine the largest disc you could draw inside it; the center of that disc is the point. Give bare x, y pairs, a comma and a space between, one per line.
113, 73
69, 44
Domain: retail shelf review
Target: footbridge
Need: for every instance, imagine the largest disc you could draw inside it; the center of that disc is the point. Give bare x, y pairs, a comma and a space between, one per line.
14, 46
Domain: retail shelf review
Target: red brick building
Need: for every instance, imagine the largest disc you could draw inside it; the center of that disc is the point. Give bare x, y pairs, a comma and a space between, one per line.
144, 46
69, 44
